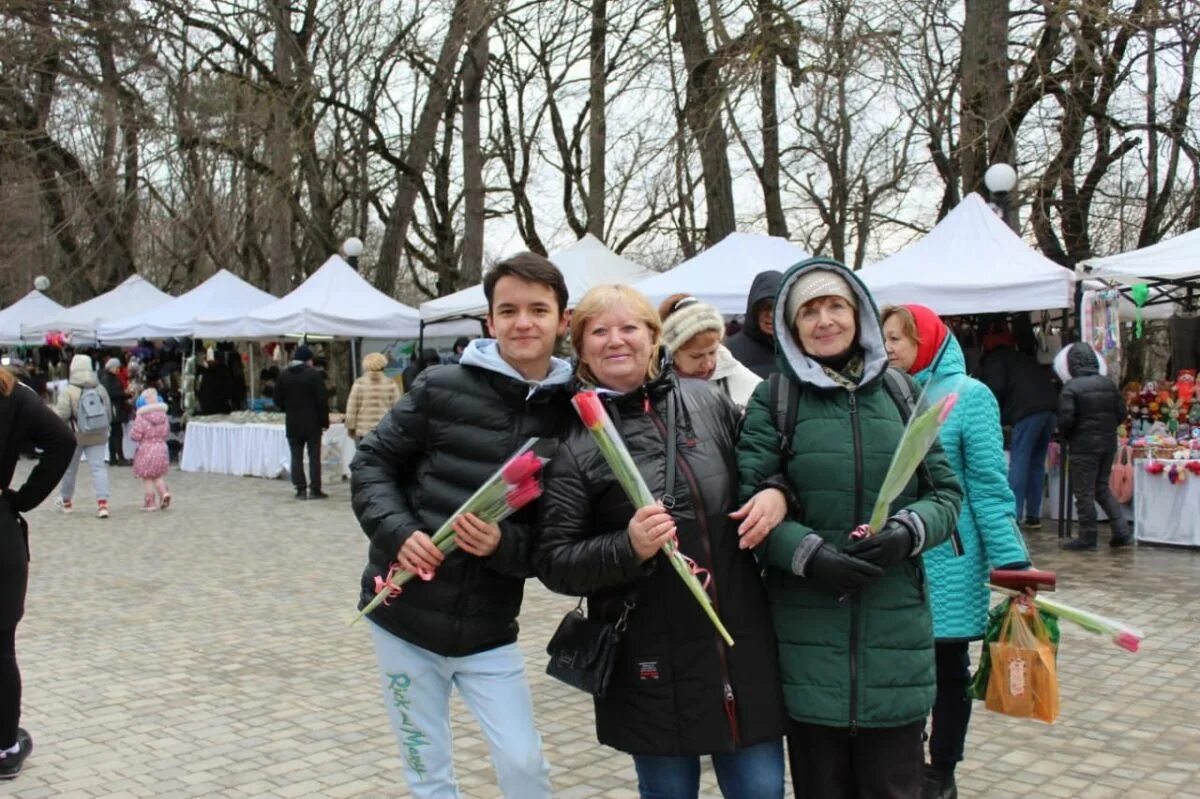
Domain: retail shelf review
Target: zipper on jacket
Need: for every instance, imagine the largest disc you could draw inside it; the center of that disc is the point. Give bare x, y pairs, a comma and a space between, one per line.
729, 700
855, 600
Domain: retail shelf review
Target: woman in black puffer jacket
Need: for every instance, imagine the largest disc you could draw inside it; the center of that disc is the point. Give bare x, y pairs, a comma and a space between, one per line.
677, 691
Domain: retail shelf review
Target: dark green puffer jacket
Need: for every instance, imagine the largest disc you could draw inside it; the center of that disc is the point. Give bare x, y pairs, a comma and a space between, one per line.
866, 660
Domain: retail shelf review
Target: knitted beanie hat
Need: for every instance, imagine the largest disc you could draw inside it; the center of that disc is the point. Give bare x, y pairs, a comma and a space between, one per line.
817, 283
690, 317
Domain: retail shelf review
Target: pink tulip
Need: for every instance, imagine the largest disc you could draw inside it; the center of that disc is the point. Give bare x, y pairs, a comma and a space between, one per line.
521, 495
1127, 640
521, 468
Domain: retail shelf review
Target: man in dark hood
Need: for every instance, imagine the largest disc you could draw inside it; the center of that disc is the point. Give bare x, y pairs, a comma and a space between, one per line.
754, 345
1089, 410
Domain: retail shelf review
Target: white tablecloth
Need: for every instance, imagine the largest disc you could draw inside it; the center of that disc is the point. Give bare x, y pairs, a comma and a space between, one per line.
1165, 513
258, 450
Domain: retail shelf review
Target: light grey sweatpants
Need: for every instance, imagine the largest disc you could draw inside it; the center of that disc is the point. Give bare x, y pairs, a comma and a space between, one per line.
95, 454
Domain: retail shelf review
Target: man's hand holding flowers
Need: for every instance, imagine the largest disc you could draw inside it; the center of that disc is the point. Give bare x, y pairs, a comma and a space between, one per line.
475, 536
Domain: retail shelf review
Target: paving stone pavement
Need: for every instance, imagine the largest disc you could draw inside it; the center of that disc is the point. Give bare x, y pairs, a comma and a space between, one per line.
204, 651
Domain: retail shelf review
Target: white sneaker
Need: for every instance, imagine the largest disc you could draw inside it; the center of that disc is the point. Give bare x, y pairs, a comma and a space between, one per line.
102, 510
63, 505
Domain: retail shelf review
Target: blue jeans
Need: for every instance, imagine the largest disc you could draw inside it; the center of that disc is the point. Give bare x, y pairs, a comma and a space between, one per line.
416, 689
752, 773
1027, 462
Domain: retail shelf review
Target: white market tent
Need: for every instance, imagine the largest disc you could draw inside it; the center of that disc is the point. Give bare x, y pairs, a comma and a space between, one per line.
29, 310
334, 301
1174, 259
970, 263
584, 264
1170, 269
224, 294
722, 274
82, 321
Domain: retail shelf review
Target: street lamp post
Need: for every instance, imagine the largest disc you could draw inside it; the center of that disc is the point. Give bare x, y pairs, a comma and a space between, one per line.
353, 248
1000, 179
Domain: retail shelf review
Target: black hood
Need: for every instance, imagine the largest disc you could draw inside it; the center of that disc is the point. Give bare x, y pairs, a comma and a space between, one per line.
1080, 361
764, 287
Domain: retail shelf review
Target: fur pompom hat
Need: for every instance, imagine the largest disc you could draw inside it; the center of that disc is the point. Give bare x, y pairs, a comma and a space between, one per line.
687, 318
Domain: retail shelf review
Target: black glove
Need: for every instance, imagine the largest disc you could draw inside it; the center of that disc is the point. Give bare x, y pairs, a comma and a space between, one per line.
891, 545
839, 573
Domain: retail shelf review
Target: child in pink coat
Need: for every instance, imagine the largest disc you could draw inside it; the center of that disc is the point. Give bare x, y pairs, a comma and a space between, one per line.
151, 461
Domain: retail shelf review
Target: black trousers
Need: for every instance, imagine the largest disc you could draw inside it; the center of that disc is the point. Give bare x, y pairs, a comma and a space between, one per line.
313, 444
952, 708
830, 763
1089, 480
14, 579
116, 443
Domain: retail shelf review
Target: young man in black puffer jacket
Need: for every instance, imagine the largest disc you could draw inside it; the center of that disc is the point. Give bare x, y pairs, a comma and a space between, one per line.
1089, 410
450, 432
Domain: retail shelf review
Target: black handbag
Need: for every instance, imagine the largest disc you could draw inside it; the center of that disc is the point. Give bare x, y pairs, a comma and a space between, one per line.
583, 652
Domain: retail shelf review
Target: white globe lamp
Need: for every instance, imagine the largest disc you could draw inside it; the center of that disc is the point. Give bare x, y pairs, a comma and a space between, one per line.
1000, 178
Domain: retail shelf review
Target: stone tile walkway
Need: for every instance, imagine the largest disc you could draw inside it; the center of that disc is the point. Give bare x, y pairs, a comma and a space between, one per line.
205, 652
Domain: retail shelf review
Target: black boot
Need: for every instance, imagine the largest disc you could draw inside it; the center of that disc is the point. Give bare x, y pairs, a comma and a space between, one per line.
1085, 542
938, 784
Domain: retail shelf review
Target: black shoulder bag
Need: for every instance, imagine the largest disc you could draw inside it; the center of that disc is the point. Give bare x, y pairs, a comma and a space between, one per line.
583, 653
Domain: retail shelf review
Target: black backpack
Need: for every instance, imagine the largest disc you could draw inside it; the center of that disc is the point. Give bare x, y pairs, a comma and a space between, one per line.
785, 400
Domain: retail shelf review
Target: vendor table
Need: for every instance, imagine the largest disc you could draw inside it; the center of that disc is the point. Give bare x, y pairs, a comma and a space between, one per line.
256, 449
1164, 513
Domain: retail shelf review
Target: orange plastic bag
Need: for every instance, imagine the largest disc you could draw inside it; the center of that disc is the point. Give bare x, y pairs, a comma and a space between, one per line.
1024, 678
1120, 481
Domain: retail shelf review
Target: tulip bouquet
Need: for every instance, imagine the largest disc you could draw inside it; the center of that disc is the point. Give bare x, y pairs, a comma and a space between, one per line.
1123, 635
919, 434
511, 488
608, 440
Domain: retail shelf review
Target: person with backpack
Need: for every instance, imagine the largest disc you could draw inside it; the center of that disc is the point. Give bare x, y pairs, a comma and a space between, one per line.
851, 612
919, 343
85, 406
25, 421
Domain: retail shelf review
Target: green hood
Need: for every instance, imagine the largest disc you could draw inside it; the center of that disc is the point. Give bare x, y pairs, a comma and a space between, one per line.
792, 360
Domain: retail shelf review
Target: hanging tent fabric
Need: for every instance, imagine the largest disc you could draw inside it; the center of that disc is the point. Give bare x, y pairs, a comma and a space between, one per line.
1175, 259
722, 274
224, 294
30, 309
970, 263
584, 264
82, 321
1170, 269
334, 301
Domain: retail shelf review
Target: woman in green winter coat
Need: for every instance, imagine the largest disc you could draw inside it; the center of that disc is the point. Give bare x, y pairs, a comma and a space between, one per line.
851, 616
919, 343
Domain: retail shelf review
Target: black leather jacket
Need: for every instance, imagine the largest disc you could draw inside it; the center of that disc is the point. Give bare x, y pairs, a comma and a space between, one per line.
677, 689
446, 436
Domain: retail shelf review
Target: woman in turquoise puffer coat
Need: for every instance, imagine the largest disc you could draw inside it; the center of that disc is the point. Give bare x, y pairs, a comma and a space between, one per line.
919, 343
